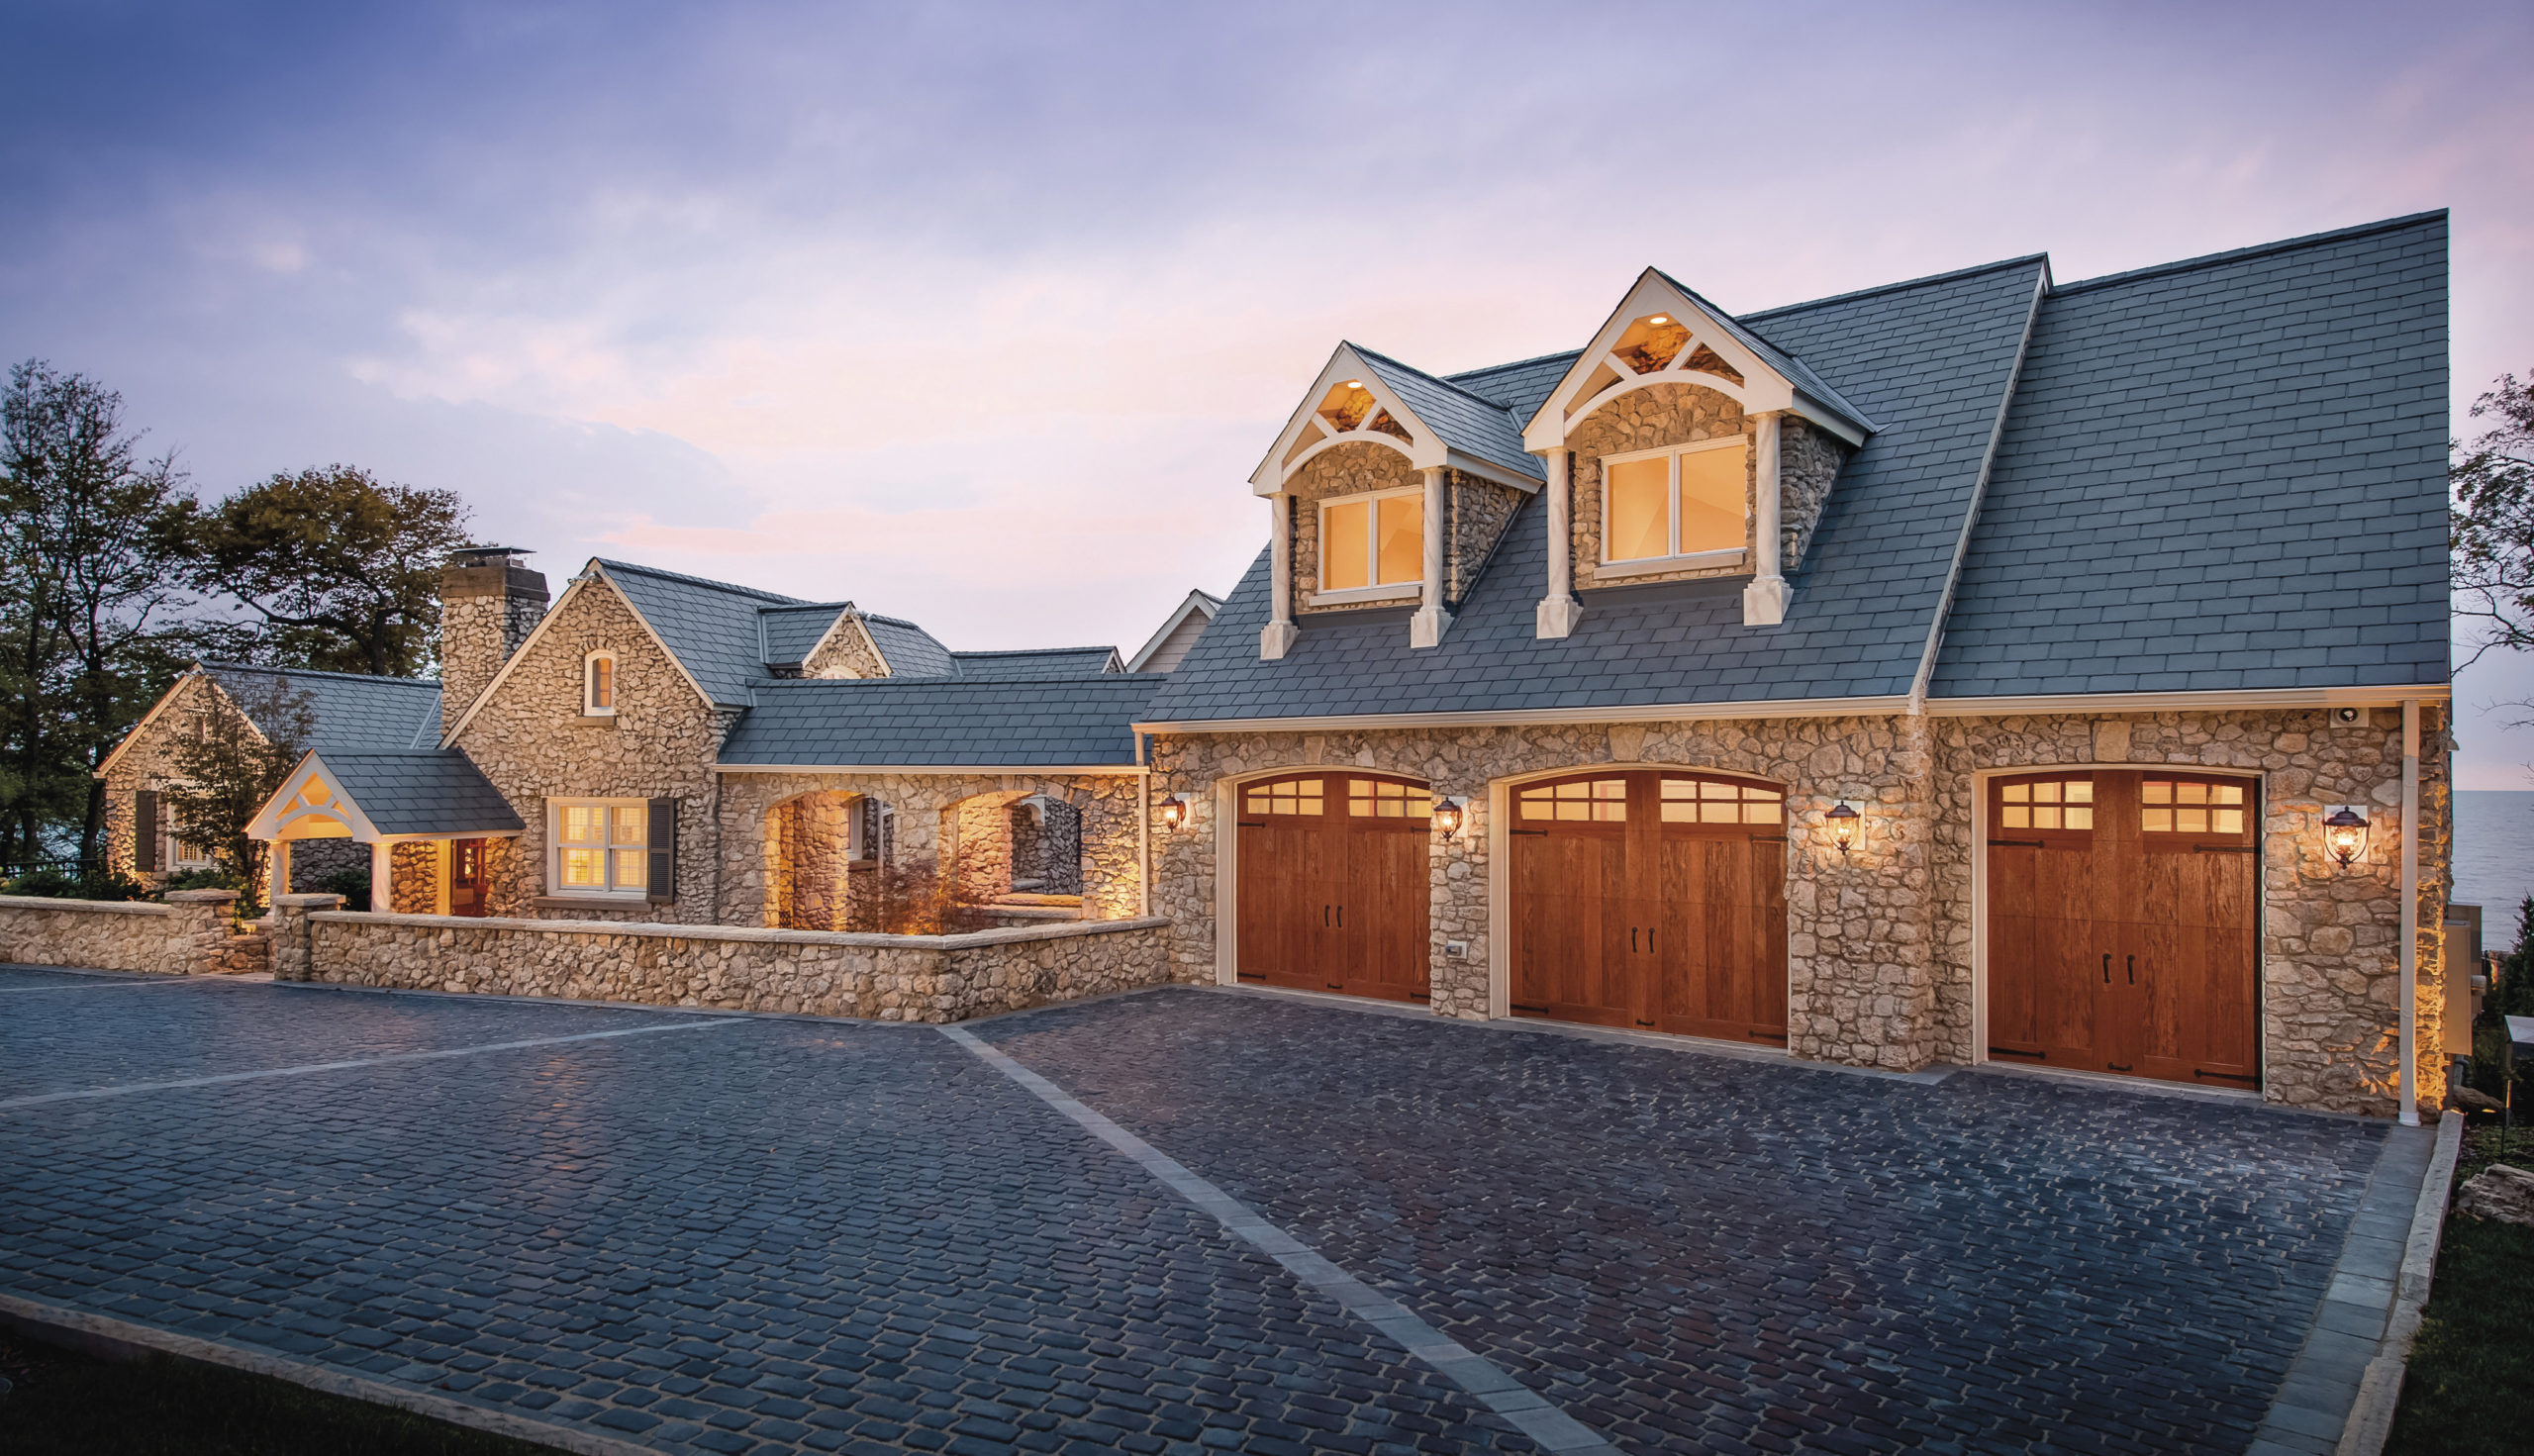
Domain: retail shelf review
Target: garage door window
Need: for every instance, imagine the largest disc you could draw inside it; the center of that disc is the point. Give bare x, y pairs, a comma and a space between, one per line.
1601, 801
1292, 796
2182, 807
1381, 799
1711, 801
2048, 804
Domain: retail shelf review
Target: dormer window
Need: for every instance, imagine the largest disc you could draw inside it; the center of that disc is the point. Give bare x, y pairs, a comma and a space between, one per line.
1672, 509
1372, 545
598, 685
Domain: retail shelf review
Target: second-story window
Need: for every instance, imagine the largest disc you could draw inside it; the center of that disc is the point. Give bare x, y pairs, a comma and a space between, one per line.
598, 685
1683, 501
1371, 541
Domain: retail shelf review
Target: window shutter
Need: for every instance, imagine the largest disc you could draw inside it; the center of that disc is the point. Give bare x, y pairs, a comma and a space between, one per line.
663, 821
144, 831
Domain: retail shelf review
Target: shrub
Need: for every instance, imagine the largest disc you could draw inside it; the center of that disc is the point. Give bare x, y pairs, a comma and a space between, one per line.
353, 885
54, 884
214, 877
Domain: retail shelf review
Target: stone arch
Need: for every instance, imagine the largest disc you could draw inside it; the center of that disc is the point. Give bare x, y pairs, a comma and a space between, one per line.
820, 851
1009, 842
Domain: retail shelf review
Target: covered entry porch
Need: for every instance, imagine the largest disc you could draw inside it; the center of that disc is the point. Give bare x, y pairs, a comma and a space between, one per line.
434, 828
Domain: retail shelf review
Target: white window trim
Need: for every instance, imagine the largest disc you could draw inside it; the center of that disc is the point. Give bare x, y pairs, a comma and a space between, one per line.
1676, 559
615, 683
1382, 591
555, 847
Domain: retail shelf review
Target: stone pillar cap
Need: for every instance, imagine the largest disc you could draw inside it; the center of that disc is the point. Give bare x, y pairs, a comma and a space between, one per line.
307, 902
199, 896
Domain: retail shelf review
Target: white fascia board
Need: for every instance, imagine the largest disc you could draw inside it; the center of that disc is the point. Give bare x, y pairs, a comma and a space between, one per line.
2241, 698
451, 835
981, 770
1469, 464
1198, 603
269, 821
1876, 706
1345, 364
115, 754
594, 571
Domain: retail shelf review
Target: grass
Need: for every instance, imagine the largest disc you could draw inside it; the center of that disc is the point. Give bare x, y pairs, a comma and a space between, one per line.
2469, 1389
70, 1404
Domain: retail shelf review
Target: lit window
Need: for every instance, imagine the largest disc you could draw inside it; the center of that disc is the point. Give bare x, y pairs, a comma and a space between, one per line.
2183, 807
1371, 541
1603, 801
2060, 803
599, 693
1674, 503
1377, 799
1286, 795
1717, 802
603, 846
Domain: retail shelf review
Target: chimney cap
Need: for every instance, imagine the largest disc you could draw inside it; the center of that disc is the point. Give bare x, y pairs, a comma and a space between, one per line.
485, 556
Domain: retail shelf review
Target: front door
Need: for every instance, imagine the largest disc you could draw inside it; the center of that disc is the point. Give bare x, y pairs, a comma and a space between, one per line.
2122, 909
1333, 884
468, 876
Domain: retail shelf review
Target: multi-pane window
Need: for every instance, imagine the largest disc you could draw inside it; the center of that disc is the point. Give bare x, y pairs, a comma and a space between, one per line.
2050, 804
2185, 806
1371, 541
1380, 799
1674, 503
1288, 796
602, 846
1717, 802
1603, 801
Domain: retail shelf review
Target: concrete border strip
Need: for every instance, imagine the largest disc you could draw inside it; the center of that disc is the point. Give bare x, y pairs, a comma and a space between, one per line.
1551, 1428
118, 1339
113, 985
2371, 1420
222, 1078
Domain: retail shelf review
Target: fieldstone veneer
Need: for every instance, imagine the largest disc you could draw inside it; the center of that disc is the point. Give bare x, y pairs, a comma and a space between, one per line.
1880, 941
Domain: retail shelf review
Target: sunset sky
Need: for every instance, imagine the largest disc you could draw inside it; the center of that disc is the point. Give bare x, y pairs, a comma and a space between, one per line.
983, 314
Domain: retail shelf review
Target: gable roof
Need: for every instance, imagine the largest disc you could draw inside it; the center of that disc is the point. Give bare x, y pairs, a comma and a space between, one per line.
1930, 361
1463, 421
353, 713
790, 633
1035, 664
1793, 369
710, 626
1198, 605
2224, 473
909, 649
1520, 387
887, 722
435, 792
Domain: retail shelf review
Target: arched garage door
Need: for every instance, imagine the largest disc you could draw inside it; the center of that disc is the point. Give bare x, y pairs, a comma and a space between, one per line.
2123, 912
1652, 899
1333, 872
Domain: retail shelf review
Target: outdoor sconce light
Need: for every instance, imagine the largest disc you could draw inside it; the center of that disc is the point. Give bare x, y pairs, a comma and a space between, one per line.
1844, 818
1174, 811
1448, 817
2344, 833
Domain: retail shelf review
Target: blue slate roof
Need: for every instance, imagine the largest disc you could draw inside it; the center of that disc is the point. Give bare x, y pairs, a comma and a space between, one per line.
1928, 361
353, 712
1522, 386
909, 649
438, 791
1038, 665
1793, 368
710, 626
2225, 473
942, 723
791, 633
1466, 421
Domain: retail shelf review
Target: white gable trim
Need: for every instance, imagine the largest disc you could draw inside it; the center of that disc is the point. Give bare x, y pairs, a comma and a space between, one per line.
283, 809
1272, 473
1763, 389
592, 573
197, 671
848, 613
1198, 603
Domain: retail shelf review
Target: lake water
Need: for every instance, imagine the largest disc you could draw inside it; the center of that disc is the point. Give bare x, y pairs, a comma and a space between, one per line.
2494, 857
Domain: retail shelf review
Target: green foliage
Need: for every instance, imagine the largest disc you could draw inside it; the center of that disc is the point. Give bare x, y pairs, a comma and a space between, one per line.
2470, 1388
343, 568
54, 884
353, 885
215, 878
229, 760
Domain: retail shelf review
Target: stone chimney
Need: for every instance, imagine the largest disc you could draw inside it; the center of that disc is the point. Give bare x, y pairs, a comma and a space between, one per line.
489, 602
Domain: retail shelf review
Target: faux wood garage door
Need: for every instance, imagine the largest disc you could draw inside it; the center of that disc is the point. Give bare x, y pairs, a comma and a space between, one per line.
1333, 884
2123, 912
1652, 899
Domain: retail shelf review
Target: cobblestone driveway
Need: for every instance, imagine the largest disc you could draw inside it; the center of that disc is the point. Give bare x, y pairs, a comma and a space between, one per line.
727, 1235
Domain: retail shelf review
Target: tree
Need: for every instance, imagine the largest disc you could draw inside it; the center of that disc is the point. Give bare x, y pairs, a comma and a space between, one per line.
93, 538
2494, 520
226, 766
343, 570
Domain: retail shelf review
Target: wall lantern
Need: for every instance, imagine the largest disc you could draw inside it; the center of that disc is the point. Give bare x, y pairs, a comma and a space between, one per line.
1448, 817
2345, 832
1843, 819
1174, 811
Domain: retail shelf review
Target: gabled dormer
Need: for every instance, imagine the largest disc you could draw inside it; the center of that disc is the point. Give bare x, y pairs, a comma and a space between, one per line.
1388, 488
1679, 444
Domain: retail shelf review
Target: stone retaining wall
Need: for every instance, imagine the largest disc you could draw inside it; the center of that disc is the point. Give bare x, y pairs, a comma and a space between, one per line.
889, 978
188, 936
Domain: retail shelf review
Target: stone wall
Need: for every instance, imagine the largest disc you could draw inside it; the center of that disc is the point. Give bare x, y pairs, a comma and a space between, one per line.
414, 866
1480, 512
531, 741
848, 652
189, 934
1351, 469
1047, 846
312, 860
1808, 461
146, 760
1881, 940
810, 851
891, 978
1642, 419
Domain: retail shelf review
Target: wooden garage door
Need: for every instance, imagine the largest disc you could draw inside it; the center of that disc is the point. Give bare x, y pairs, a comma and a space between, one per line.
1652, 899
2122, 910
1333, 876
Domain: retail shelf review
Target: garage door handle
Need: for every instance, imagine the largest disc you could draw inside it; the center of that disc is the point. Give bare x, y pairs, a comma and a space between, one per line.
2107, 968
2133, 970
1341, 918
1631, 939
1324, 916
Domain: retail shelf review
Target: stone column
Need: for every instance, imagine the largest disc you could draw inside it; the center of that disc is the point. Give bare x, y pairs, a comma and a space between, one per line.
1558, 611
383, 877
199, 935
1277, 639
1764, 600
1426, 628
293, 953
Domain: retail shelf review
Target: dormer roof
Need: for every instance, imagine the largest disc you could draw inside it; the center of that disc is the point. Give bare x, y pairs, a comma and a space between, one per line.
1427, 419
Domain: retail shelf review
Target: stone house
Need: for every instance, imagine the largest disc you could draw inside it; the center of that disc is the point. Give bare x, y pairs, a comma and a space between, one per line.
1980, 669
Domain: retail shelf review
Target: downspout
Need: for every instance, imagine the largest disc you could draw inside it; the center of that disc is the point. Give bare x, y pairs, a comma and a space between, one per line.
1144, 832
2405, 1083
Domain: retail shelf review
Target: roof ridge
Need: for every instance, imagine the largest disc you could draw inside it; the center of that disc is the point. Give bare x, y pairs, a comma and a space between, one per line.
358, 677
896, 622
1025, 651
721, 586
387, 752
807, 606
1515, 365
1949, 277
979, 684
1477, 399
2258, 250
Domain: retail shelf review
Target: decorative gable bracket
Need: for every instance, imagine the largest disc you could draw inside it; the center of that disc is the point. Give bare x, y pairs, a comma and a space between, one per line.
1351, 404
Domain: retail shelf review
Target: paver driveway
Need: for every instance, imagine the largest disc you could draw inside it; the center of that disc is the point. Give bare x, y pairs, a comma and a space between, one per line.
758, 1234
